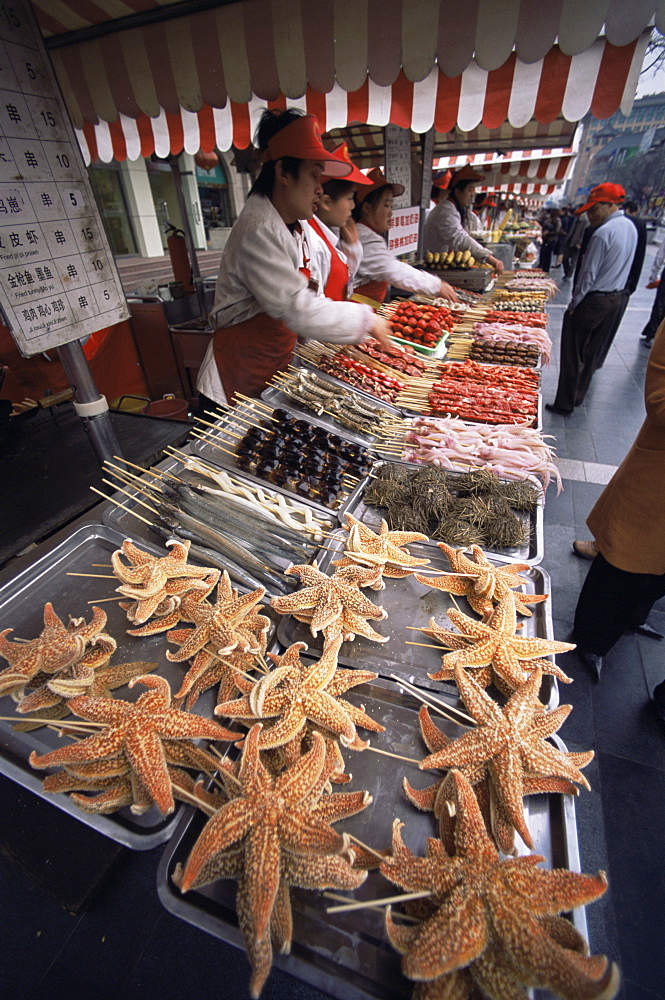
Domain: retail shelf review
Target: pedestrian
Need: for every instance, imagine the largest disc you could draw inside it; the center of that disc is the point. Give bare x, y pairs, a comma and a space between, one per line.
573, 244
630, 209
627, 576
567, 218
551, 230
657, 281
597, 295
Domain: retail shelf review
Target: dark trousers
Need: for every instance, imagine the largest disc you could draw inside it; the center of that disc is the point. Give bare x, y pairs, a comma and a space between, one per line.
569, 260
613, 331
583, 335
611, 602
657, 312
545, 258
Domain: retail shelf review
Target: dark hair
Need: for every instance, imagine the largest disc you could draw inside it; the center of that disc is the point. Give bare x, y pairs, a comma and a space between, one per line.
631, 206
436, 192
461, 185
272, 122
337, 187
372, 199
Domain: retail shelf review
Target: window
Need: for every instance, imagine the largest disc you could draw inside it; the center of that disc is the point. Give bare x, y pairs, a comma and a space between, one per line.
110, 196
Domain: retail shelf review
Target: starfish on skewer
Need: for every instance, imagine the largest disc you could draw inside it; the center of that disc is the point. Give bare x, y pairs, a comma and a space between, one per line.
483, 584
147, 575
495, 645
508, 749
490, 925
297, 695
137, 730
273, 833
334, 604
383, 551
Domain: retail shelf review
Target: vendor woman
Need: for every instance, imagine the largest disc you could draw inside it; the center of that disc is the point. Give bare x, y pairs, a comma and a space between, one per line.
265, 294
379, 269
336, 248
448, 224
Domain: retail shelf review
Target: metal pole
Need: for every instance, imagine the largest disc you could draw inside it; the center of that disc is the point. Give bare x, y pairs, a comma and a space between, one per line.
187, 230
426, 185
90, 405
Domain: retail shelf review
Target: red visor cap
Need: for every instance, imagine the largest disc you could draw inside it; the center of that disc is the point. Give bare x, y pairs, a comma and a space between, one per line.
301, 139
613, 193
378, 180
356, 176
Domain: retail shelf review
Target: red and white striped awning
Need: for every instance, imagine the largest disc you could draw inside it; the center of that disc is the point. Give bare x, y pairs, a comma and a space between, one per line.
600, 79
544, 164
520, 189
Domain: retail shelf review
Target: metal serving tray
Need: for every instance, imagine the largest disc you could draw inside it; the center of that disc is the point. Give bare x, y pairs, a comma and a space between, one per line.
275, 397
371, 515
21, 608
347, 955
123, 520
410, 603
224, 436
376, 400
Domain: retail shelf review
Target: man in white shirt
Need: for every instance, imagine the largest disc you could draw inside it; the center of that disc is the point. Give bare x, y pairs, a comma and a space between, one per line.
597, 297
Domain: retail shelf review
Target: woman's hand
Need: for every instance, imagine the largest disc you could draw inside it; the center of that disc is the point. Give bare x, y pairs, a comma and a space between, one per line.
447, 291
348, 232
496, 264
381, 331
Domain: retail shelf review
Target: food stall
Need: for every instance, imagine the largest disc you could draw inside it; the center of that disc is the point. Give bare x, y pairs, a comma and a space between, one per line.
291, 505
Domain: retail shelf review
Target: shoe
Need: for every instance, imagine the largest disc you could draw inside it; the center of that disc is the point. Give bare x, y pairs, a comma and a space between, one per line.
585, 550
557, 409
647, 343
658, 700
592, 661
646, 630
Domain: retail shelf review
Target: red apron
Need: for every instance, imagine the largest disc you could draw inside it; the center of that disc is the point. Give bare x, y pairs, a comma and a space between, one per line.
248, 354
375, 290
337, 285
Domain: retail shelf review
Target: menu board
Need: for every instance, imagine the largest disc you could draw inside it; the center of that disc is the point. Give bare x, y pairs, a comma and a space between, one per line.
398, 162
58, 279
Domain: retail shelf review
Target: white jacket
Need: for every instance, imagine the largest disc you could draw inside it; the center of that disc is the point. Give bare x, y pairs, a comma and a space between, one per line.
378, 264
444, 231
259, 273
350, 253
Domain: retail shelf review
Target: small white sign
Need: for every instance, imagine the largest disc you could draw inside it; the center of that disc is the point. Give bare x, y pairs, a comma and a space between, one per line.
58, 279
403, 232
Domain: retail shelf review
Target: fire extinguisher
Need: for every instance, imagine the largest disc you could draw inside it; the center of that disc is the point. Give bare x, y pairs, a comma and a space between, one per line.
180, 262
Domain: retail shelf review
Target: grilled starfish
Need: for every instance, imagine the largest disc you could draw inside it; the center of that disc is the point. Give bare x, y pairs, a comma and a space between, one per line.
275, 832
297, 694
507, 746
494, 643
137, 730
435, 798
334, 604
56, 648
383, 552
208, 669
147, 575
226, 625
484, 583
493, 924
166, 600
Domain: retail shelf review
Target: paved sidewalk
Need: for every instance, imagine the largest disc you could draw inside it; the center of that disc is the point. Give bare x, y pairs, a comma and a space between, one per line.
621, 822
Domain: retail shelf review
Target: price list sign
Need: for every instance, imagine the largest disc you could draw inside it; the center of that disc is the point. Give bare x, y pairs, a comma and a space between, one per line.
58, 279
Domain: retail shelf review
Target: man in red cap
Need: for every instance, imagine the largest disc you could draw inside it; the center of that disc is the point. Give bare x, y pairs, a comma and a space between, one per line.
597, 297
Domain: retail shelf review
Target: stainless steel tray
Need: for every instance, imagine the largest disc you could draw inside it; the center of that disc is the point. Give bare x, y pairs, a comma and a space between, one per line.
532, 552
21, 608
123, 519
347, 955
222, 437
275, 397
410, 603
311, 366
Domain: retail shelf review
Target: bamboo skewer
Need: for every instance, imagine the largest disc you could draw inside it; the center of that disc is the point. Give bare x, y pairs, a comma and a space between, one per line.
428, 697
135, 499
386, 901
118, 503
97, 576
386, 753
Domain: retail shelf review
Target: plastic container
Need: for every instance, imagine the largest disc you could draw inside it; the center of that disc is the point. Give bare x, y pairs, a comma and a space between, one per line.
438, 351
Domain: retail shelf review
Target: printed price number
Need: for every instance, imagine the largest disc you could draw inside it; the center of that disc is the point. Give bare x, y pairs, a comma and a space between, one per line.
98, 265
10, 16
49, 119
63, 161
87, 233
